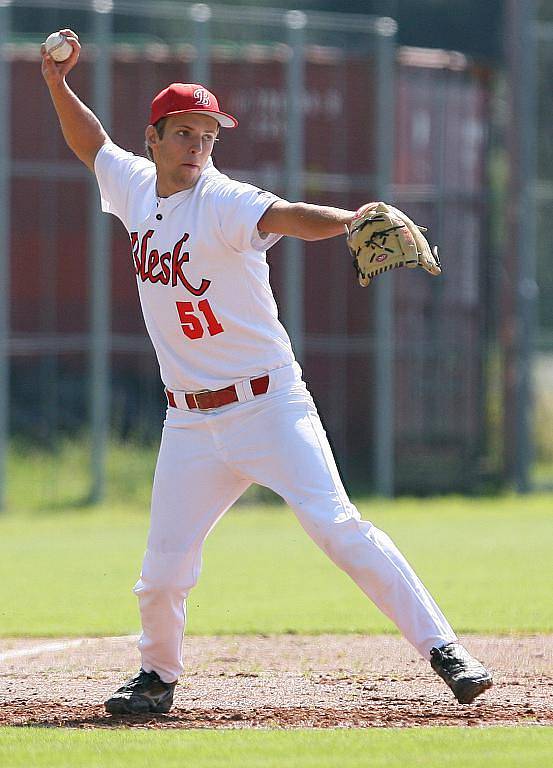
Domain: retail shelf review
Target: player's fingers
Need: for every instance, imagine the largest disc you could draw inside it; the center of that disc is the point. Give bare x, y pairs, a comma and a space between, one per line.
73, 43
66, 66
72, 38
49, 69
47, 60
69, 34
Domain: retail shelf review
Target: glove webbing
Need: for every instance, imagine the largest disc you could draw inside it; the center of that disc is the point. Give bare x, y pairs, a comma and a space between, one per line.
380, 270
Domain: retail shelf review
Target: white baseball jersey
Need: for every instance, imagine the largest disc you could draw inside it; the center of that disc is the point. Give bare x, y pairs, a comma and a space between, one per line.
201, 270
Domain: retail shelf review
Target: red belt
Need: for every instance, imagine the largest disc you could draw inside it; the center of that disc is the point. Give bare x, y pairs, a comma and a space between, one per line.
208, 399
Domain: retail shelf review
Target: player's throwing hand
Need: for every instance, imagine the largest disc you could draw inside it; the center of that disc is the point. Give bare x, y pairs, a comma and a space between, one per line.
54, 72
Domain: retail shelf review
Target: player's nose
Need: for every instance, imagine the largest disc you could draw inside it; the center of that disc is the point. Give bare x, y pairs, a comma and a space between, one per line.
196, 145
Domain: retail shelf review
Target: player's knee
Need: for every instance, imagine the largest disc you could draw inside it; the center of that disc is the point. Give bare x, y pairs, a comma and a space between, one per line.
168, 572
151, 594
351, 545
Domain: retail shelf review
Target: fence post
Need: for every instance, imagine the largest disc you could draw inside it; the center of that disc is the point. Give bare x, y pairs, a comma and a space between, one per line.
527, 292
100, 264
521, 44
383, 289
200, 13
5, 178
294, 167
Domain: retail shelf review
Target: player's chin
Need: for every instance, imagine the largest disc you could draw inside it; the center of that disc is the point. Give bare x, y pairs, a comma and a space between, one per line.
189, 174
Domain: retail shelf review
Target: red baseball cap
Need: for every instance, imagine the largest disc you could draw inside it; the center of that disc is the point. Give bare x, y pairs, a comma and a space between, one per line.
178, 98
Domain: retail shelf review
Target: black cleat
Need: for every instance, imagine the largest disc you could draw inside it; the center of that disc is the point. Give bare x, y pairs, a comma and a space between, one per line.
144, 693
464, 674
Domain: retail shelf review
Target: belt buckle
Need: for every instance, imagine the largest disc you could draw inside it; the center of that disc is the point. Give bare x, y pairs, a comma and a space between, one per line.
200, 392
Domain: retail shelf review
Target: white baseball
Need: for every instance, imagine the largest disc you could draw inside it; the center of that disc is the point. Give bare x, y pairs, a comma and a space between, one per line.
57, 46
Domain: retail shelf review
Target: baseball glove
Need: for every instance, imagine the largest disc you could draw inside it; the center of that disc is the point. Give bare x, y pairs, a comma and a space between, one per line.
381, 237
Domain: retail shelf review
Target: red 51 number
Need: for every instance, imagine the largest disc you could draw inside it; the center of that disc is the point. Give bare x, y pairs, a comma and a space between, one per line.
192, 325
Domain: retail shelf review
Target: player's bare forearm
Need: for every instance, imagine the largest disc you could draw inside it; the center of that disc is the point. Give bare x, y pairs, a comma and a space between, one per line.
303, 220
82, 131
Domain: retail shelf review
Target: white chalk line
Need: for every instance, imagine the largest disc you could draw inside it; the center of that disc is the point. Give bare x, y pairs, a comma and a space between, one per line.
37, 650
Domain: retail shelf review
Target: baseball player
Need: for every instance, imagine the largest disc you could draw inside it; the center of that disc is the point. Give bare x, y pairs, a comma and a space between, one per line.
238, 411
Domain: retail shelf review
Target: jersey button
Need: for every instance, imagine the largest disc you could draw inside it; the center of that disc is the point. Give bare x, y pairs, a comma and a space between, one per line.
159, 216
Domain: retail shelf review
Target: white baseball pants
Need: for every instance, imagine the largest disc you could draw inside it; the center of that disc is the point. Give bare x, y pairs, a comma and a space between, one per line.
206, 462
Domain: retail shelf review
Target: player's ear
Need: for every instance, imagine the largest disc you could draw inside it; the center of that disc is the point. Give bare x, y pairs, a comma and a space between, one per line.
151, 136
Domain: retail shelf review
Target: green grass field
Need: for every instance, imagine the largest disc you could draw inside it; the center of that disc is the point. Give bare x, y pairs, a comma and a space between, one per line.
447, 748
71, 572
68, 569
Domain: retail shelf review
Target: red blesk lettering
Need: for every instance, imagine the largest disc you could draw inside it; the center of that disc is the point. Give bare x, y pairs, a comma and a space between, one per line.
135, 249
170, 263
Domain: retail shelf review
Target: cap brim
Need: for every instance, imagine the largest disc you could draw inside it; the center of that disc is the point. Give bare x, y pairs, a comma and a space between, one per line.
224, 120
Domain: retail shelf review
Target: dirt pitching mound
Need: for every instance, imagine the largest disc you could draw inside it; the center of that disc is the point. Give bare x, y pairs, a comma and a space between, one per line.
276, 682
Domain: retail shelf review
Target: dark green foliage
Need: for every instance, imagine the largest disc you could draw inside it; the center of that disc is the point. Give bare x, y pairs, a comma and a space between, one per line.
471, 26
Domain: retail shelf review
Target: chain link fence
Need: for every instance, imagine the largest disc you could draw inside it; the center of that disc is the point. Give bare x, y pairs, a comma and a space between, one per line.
331, 112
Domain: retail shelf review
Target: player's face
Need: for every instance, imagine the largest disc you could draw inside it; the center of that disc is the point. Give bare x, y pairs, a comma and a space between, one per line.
182, 153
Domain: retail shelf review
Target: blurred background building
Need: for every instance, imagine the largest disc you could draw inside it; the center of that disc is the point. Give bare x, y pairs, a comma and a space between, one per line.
425, 385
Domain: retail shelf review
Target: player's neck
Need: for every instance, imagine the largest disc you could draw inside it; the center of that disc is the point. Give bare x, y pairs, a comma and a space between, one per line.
166, 189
